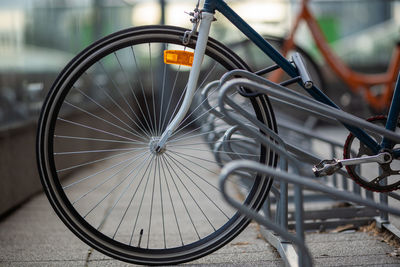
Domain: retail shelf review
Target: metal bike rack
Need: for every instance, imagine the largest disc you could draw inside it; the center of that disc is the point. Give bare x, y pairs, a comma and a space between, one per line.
336, 216
291, 159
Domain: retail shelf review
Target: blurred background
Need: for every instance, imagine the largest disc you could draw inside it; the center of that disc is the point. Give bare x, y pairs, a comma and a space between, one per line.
39, 37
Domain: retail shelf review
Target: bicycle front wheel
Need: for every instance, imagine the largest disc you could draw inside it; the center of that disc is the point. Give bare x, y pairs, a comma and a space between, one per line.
97, 161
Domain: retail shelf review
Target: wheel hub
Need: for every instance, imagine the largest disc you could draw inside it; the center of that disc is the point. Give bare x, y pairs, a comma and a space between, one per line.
154, 147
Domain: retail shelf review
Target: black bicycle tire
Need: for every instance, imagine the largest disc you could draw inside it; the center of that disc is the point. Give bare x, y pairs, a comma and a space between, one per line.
43, 139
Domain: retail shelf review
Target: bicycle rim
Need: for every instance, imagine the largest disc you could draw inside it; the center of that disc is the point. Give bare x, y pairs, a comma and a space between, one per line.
95, 157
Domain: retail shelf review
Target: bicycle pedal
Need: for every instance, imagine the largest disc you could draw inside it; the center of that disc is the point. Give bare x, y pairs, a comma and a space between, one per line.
327, 167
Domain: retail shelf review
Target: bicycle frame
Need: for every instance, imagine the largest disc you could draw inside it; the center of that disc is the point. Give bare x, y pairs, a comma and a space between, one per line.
210, 7
353, 79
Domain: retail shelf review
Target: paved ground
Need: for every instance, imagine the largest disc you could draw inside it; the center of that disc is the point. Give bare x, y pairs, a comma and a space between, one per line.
34, 236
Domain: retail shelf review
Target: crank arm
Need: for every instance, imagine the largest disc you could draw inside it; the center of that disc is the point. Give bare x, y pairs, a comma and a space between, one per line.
330, 166
380, 158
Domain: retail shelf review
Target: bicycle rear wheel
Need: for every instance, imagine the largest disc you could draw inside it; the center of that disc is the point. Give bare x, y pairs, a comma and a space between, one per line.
96, 158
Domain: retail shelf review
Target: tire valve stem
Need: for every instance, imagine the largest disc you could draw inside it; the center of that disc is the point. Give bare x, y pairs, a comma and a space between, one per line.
140, 238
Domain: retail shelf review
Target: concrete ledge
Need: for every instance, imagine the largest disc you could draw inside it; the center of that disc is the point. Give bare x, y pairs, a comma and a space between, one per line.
19, 176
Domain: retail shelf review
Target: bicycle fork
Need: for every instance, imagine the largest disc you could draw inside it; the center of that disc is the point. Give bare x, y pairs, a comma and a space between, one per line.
201, 44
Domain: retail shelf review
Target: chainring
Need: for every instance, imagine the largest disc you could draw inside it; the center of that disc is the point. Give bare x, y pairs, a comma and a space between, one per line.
385, 170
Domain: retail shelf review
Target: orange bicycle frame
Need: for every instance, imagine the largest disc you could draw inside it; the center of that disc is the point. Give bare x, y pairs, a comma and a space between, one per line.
355, 80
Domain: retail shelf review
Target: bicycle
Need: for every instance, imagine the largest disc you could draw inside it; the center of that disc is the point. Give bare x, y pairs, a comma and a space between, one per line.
119, 147
356, 81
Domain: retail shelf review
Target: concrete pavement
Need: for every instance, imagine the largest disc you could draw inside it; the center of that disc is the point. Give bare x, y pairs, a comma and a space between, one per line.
34, 236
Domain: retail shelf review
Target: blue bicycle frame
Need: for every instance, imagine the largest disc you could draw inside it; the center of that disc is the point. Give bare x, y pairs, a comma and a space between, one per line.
211, 6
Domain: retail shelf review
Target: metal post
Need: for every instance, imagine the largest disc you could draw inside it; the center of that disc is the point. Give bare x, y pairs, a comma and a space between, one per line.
369, 194
356, 187
384, 200
299, 215
283, 208
162, 12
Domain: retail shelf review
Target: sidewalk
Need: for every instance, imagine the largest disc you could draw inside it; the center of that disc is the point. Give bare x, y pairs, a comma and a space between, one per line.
34, 236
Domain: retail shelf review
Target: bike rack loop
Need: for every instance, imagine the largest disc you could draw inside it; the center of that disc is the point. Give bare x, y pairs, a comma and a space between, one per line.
299, 181
282, 144
280, 226
285, 94
304, 155
330, 113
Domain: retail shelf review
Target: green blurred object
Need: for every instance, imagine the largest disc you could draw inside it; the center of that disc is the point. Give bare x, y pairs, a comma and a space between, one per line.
330, 28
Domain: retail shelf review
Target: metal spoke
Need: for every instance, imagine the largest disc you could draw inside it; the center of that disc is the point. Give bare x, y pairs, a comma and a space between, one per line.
202, 167
162, 96
109, 192
170, 196
97, 151
161, 201
106, 110
206, 112
198, 87
180, 196
153, 124
100, 140
181, 138
131, 88
95, 161
120, 108
133, 196
181, 98
208, 143
178, 165
117, 88
190, 194
121, 195
172, 93
178, 104
94, 129
102, 119
223, 152
104, 170
206, 160
198, 165
141, 201
174, 138
100, 184
143, 93
151, 203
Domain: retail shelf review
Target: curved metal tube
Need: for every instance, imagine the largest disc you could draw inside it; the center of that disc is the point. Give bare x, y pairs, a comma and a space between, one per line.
227, 147
233, 167
310, 184
314, 106
246, 165
276, 144
204, 98
270, 142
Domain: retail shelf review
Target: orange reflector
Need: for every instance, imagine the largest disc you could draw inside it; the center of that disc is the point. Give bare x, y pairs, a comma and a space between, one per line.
178, 57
